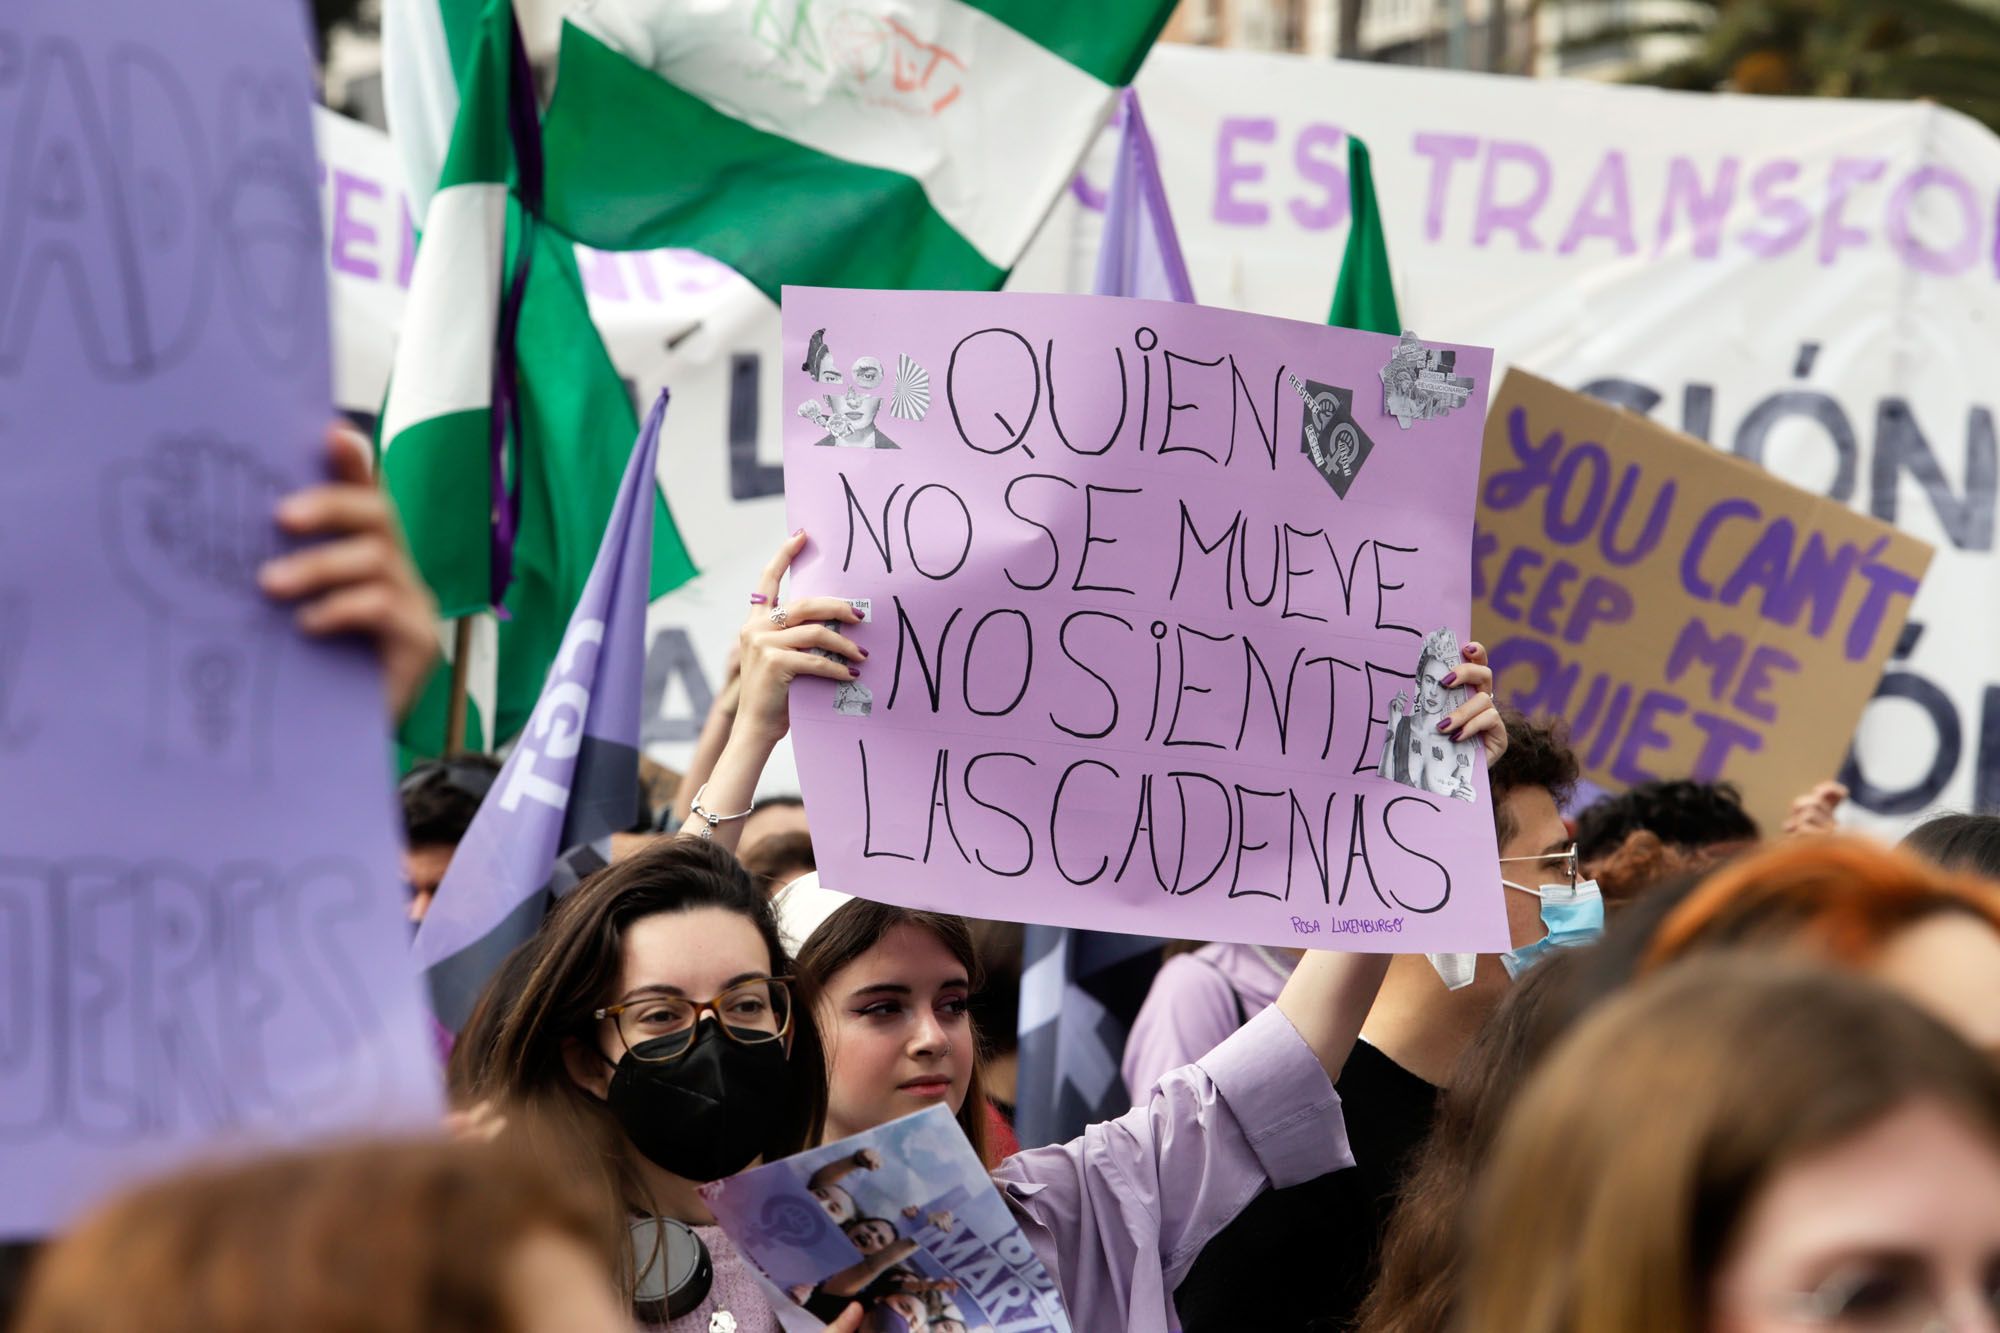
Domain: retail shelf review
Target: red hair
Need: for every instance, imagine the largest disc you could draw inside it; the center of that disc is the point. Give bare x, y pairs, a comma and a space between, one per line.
1842, 898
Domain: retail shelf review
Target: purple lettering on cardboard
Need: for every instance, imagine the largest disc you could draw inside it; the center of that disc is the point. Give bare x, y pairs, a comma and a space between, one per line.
1516, 215
1723, 736
1848, 174
1945, 261
1752, 696
1692, 577
1885, 584
1643, 737
350, 231
1697, 644
1230, 209
1706, 210
1606, 210
1325, 169
1445, 151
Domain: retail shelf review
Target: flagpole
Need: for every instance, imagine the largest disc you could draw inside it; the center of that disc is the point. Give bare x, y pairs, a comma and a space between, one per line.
461, 659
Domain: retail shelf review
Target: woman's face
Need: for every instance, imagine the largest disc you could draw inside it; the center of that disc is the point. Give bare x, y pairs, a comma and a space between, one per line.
1884, 1231
1949, 963
1430, 686
696, 954
871, 1236
837, 1202
897, 1031
908, 1306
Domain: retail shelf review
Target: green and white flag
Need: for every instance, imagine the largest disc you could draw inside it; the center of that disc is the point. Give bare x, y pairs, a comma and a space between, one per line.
1364, 297
506, 428
882, 143
874, 143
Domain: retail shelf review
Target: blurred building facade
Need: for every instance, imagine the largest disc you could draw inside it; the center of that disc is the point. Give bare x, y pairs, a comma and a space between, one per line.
1502, 36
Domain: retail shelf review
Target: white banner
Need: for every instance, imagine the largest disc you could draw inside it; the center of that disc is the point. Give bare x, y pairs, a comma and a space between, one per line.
1813, 284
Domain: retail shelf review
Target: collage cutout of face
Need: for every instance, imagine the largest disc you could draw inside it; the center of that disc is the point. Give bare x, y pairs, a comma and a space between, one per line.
849, 401
1415, 753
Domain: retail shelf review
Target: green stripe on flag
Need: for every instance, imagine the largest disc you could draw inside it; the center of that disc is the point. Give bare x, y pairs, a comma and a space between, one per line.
439, 471
580, 430
1365, 296
1107, 39
772, 209
480, 148
461, 28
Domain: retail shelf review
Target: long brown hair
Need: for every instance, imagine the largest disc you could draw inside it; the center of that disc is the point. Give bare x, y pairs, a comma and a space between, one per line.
570, 969
1422, 1247
397, 1237
856, 927
1632, 1154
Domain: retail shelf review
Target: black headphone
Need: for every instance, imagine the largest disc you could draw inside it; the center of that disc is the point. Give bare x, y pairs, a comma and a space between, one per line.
671, 1270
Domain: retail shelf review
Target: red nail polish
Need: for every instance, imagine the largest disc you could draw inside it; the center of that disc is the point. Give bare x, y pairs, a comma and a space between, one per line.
855, 672
1451, 678
864, 651
1444, 725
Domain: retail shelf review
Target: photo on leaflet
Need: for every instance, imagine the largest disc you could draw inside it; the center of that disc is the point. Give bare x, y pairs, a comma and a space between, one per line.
903, 1219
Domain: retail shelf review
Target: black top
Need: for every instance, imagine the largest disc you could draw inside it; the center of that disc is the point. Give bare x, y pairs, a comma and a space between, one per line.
1301, 1260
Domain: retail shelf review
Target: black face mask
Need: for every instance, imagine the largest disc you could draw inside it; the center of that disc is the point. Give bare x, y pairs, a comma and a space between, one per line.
708, 1114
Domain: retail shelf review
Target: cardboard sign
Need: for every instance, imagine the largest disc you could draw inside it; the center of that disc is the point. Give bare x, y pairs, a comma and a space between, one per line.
902, 1218
1161, 602
200, 908
1686, 612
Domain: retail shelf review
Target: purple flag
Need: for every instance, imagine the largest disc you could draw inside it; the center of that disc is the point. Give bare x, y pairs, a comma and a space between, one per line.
573, 776
1140, 254
1082, 988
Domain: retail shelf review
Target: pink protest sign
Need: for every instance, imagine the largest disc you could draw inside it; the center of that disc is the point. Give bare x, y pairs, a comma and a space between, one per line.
1160, 600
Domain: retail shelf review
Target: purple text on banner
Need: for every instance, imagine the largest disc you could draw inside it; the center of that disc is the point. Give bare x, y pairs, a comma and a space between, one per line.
1160, 602
200, 909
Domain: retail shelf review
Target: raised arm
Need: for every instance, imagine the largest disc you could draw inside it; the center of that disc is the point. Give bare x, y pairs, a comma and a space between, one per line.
775, 649
1329, 994
841, 1167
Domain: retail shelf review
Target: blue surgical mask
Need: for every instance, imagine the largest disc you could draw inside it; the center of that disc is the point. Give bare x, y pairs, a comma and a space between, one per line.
1574, 917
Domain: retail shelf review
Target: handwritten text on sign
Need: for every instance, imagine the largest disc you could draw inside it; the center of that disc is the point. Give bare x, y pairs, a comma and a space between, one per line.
1687, 612
1159, 599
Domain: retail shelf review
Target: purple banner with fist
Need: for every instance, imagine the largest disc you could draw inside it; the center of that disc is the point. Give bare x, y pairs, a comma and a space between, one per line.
200, 934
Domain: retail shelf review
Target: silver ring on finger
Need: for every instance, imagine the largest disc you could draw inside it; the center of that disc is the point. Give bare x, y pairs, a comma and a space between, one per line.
778, 616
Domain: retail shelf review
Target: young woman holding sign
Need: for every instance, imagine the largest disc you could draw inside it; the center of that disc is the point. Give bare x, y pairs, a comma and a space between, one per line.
1118, 1215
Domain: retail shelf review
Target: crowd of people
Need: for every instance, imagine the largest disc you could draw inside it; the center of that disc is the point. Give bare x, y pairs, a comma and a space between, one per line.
1723, 1079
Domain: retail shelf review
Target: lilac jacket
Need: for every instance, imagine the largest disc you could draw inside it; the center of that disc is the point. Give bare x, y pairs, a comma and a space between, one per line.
1192, 1006
1120, 1214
